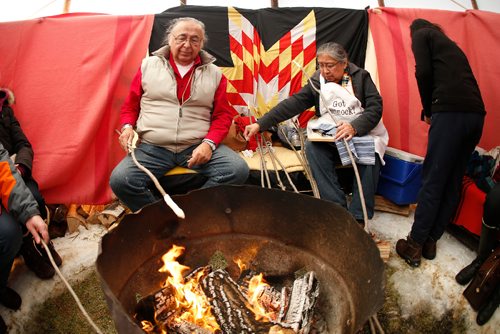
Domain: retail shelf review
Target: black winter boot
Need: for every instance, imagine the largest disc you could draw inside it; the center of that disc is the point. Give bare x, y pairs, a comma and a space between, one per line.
10, 299
3, 326
487, 242
485, 313
429, 249
410, 251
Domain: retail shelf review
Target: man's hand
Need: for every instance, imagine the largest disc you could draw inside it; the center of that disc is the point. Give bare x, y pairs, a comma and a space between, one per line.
38, 229
344, 130
201, 155
126, 137
251, 130
427, 120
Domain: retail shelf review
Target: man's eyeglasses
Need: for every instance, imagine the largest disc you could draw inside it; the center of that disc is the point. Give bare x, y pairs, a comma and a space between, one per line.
181, 39
328, 66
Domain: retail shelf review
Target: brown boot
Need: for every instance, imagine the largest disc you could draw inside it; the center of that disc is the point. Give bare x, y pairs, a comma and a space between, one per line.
429, 249
410, 251
34, 258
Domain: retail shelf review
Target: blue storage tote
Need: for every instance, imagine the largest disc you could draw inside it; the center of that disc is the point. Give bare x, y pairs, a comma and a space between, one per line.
401, 177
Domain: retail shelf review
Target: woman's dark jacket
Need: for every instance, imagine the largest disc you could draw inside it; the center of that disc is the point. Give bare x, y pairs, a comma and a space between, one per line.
444, 76
14, 140
364, 90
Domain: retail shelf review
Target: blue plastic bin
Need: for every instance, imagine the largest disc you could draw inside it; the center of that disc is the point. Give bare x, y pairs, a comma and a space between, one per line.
400, 180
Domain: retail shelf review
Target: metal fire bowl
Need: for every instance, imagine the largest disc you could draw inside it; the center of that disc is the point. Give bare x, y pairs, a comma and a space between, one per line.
277, 232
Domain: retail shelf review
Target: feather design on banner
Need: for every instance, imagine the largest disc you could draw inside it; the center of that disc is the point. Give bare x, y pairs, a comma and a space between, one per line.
260, 77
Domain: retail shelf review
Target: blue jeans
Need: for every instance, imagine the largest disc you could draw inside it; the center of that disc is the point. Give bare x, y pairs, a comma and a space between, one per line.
132, 186
322, 158
11, 237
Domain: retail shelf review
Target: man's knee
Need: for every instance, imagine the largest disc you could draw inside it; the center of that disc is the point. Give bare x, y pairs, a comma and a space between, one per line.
241, 171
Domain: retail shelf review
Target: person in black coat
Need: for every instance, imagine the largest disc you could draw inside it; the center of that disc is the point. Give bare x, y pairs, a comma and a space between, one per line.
20, 150
454, 109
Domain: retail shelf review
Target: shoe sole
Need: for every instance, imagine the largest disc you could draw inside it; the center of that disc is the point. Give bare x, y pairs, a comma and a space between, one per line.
428, 257
413, 264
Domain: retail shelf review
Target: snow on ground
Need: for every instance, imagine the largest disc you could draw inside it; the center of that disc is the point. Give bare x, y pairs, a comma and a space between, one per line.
431, 286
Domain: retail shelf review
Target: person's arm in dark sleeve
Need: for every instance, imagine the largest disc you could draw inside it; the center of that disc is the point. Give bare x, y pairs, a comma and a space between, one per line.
21, 146
372, 113
423, 69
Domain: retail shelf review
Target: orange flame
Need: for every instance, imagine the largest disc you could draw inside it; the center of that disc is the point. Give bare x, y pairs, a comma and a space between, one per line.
256, 288
240, 264
189, 297
147, 326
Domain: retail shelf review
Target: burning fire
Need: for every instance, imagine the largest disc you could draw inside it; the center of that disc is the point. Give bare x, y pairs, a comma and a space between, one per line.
189, 297
256, 288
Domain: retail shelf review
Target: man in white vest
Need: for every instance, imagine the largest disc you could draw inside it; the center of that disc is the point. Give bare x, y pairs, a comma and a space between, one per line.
177, 104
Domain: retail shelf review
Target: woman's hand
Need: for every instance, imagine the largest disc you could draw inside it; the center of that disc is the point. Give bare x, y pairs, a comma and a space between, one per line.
345, 130
38, 229
251, 130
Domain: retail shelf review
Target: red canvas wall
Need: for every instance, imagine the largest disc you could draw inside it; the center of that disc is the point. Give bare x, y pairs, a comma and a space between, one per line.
70, 75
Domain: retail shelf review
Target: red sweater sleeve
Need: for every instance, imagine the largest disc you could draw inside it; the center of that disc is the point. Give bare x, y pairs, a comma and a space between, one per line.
222, 115
129, 113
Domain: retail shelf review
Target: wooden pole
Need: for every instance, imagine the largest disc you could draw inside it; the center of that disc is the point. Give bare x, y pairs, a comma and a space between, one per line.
67, 5
183, 2
381, 3
474, 4
274, 4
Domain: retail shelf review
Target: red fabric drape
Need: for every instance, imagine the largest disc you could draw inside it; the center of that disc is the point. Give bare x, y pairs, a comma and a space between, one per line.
476, 32
70, 74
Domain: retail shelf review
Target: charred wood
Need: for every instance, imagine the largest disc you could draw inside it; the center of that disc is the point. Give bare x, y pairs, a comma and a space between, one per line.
305, 292
229, 305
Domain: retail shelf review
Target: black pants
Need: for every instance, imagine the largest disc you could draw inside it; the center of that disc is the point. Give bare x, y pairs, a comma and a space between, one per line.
453, 137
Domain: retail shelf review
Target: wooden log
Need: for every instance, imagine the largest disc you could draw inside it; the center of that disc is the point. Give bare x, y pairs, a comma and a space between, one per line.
229, 305
384, 246
385, 205
111, 214
74, 219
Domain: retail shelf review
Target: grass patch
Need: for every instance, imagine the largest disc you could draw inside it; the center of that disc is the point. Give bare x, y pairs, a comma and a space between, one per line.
61, 314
